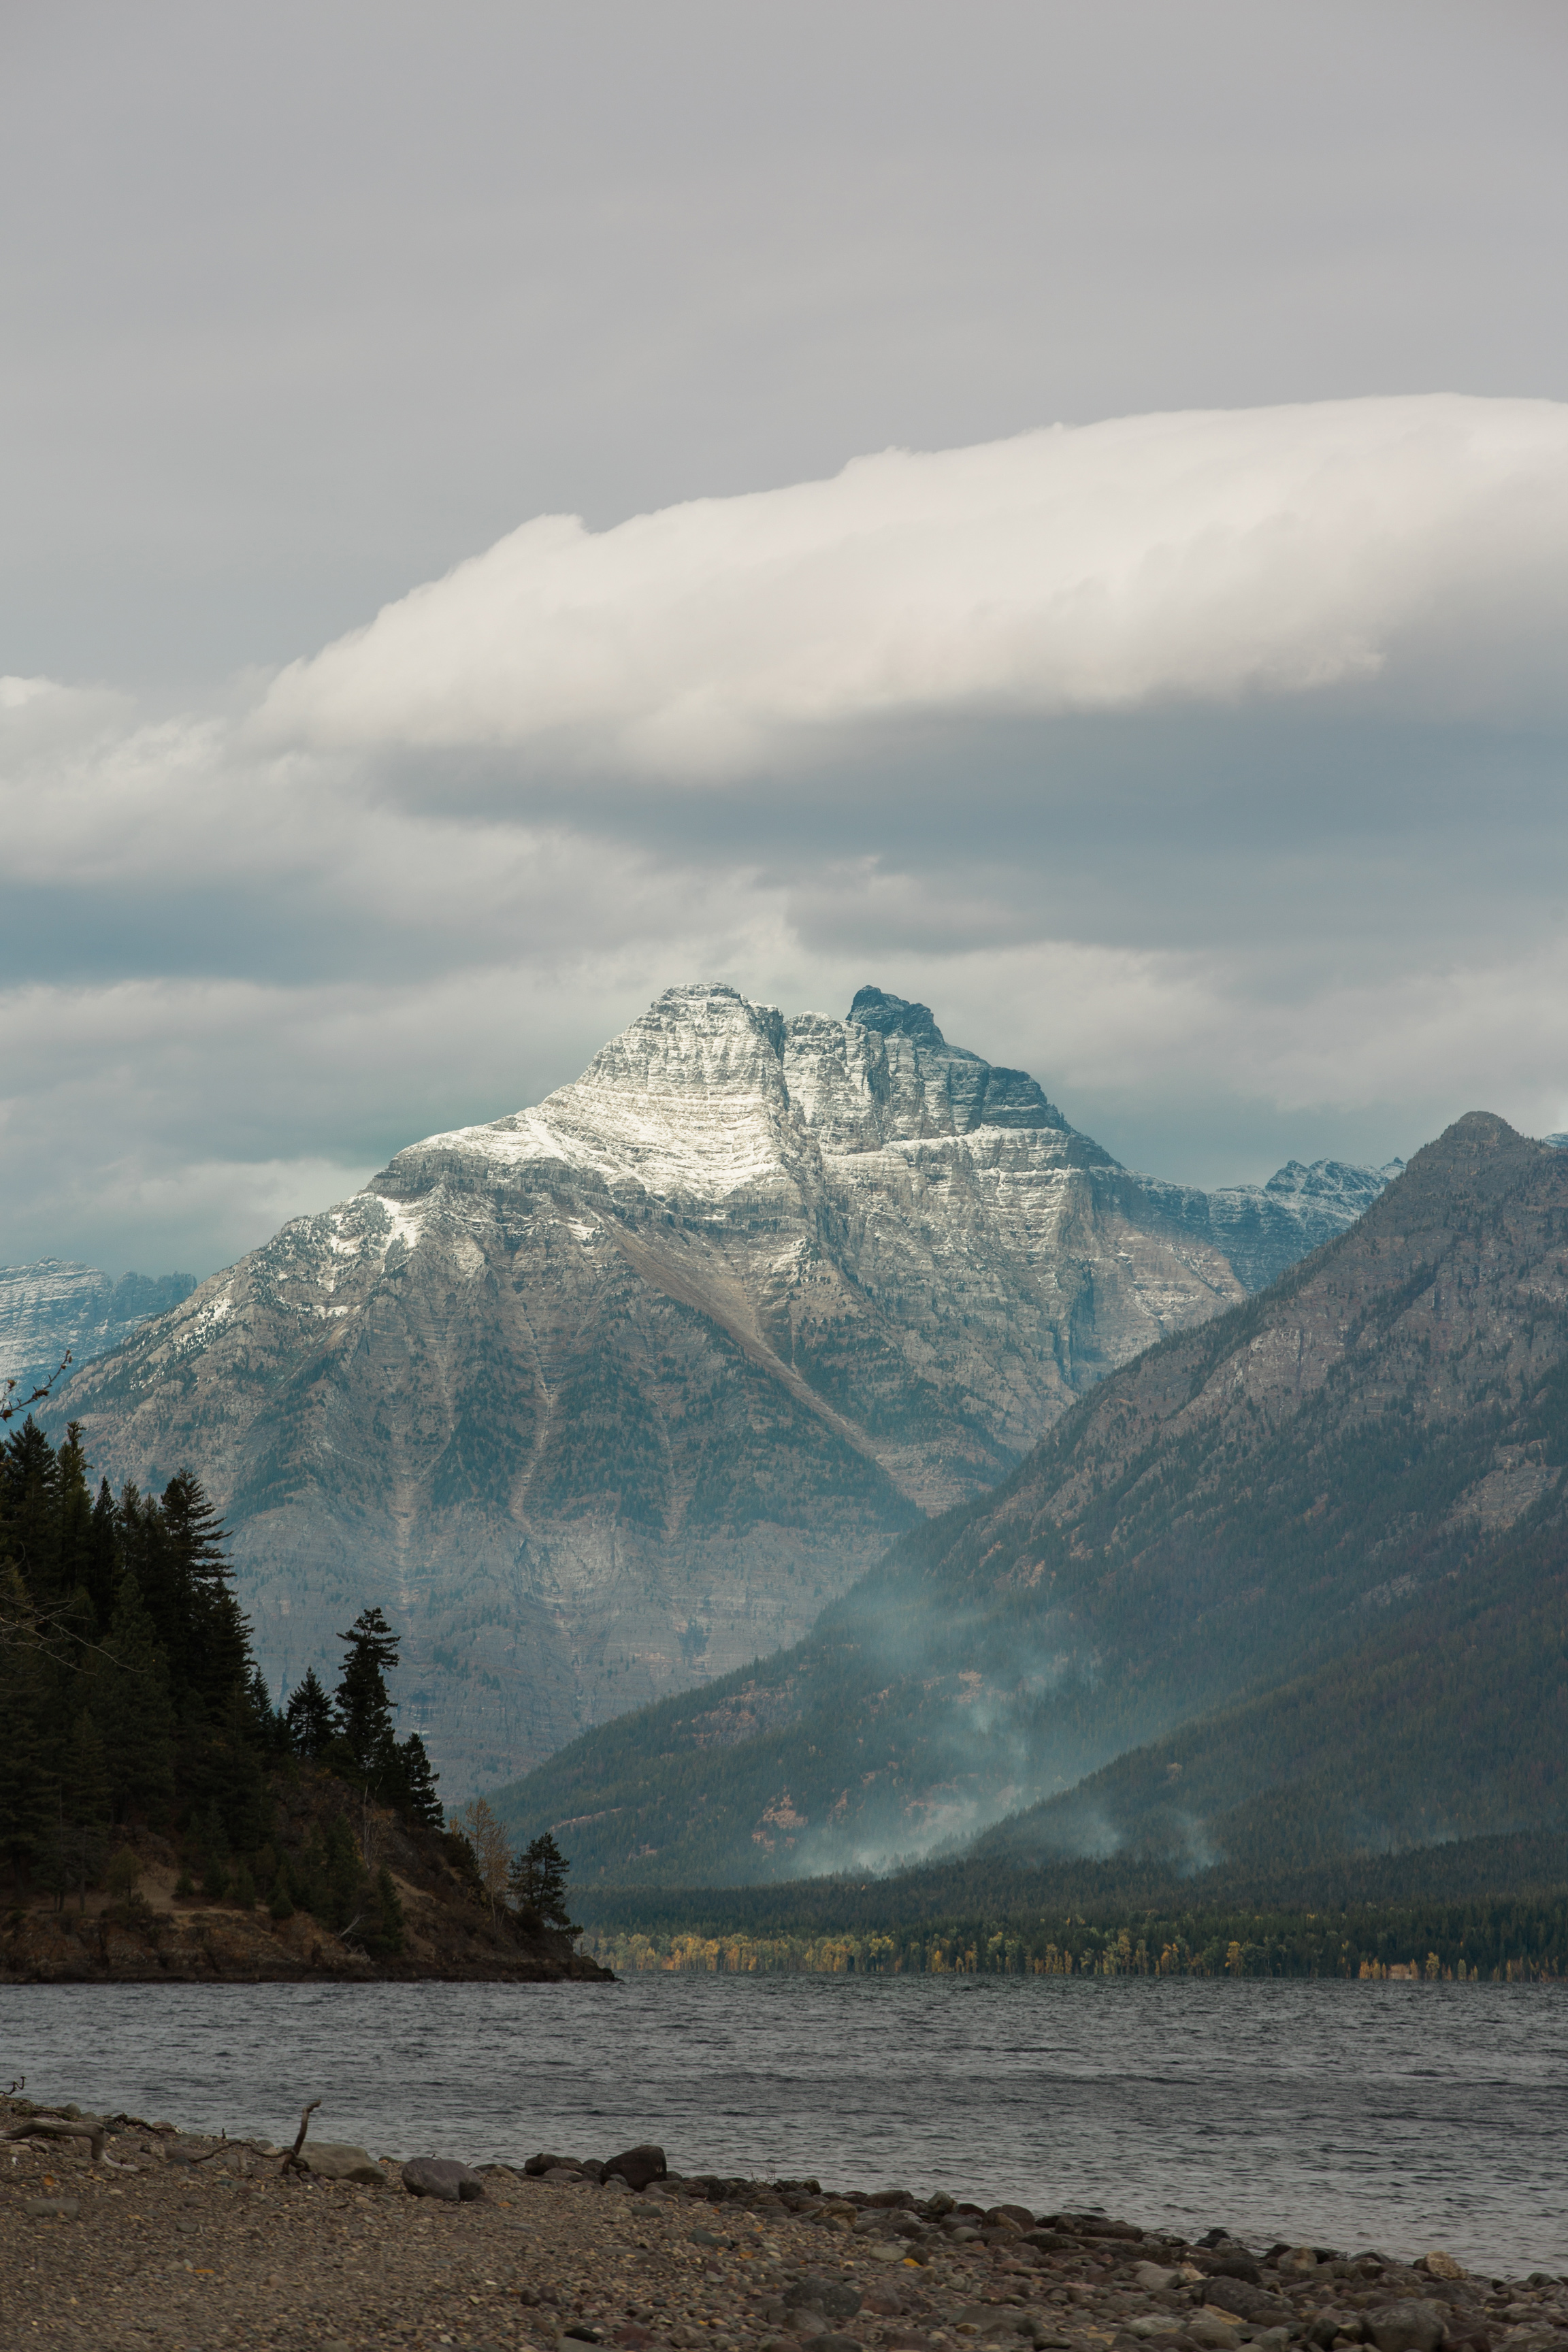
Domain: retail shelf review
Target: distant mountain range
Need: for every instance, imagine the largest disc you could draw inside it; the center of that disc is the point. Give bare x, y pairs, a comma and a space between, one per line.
1289, 1585
56, 1305
610, 1396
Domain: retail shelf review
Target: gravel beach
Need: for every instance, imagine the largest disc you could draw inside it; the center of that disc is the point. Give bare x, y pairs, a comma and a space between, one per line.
135, 2235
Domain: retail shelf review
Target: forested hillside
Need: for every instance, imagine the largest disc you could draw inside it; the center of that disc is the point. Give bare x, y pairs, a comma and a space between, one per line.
1336, 1511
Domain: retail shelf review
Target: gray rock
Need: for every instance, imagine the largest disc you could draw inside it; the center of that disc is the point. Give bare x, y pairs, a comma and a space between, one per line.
1414, 2326
829, 2342
442, 2177
639, 2165
835, 2298
339, 2159
1152, 2276
43, 2209
1214, 2335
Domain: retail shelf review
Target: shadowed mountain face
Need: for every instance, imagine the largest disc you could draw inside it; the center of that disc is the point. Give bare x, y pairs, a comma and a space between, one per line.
611, 1395
1352, 1485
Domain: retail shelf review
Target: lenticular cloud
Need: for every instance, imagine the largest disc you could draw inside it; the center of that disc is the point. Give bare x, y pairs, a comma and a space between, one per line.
1418, 543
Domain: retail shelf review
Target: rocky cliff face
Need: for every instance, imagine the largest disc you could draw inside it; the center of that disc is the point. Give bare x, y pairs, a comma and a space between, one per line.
1354, 1485
56, 1305
611, 1394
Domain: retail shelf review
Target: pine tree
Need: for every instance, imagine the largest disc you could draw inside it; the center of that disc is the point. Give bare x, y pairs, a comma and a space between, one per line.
308, 1717
416, 1781
82, 1807
27, 1801
218, 1655
537, 1882
363, 1710
131, 1701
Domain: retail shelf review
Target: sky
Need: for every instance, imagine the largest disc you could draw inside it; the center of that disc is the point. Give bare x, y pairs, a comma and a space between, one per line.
1061, 513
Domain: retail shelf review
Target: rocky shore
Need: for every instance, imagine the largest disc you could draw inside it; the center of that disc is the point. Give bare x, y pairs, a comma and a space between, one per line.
123, 2235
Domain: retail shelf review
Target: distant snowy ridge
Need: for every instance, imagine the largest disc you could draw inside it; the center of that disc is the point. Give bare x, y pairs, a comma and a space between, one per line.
56, 1305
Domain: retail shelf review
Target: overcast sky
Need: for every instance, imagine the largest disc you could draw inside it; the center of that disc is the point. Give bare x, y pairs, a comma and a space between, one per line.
1058, 511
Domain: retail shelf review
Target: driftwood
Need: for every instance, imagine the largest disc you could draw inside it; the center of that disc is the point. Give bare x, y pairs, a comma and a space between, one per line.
291, 2161
87, 2128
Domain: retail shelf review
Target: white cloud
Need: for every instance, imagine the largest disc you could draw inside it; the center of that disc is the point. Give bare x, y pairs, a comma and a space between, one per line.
245, 967
1421, 541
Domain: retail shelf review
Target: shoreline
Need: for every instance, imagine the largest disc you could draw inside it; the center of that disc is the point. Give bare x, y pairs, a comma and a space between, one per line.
118, 2234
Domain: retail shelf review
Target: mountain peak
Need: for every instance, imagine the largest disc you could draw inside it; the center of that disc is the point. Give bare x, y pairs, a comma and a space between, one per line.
896, 1016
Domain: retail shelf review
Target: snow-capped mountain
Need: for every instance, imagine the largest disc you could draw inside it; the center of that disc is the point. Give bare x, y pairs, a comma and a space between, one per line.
616, 1392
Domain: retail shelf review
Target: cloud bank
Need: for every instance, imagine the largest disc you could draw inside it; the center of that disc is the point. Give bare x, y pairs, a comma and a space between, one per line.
1418, 543
1209, 766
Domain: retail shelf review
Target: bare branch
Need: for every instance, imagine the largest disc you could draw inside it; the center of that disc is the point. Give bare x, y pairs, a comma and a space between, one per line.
11, 1404
291, 2161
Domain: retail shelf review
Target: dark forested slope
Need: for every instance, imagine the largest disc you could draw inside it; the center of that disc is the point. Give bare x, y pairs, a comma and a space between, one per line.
1352, 1484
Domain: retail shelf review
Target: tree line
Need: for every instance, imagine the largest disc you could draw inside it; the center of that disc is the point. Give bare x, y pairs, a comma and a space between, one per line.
131, 1697
1476, 1943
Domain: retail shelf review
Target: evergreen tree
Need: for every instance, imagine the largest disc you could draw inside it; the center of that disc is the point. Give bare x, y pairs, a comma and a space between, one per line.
26, 1805
218, 1656
537, 1882
131, 1701
363, 1707
416, 1791
79, 1839
308, 1717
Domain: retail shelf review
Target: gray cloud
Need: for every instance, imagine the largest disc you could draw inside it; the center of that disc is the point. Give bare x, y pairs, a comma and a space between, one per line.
309, 308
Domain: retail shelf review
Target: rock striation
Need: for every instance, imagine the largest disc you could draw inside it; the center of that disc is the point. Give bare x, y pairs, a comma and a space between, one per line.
609, 1395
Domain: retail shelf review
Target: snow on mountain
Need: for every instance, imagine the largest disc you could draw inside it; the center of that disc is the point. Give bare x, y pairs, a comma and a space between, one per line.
611, 1394
56, 1305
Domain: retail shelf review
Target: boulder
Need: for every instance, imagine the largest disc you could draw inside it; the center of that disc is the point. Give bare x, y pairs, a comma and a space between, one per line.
1413, 2326
1018, 2216
1443, 2266
639, 2165
1215, 2335
1231, 2264
339, 2159
443, 2177
1152, 2276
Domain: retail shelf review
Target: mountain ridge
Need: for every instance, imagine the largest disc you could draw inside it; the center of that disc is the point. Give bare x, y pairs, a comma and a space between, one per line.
611, 1393
1364, 1444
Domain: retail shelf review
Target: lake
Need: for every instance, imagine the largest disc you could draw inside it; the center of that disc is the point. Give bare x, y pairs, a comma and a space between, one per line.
1347, 2115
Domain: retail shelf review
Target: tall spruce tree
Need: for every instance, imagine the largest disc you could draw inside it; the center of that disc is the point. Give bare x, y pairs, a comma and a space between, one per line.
363, 1707
308, 1717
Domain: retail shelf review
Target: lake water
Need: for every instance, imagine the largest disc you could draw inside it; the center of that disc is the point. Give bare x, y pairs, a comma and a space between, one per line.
1354, 2116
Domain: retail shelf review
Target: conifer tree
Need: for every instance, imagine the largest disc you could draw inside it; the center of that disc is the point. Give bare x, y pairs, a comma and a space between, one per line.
537, 1882
308, 1717
131, 1703
363, 1710
25, 1793
218, 1654
417, 1784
